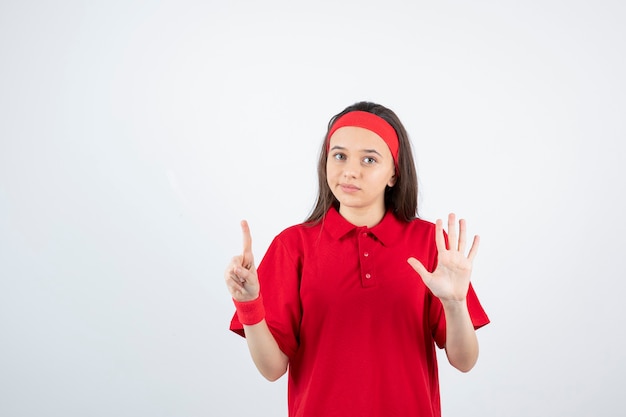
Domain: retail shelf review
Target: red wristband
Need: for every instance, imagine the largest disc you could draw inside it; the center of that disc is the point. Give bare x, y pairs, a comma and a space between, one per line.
250, 312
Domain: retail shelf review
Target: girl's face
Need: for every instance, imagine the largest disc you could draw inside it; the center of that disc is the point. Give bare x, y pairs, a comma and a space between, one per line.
358, 169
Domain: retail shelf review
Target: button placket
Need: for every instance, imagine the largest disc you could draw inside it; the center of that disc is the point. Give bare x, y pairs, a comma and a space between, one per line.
368, 278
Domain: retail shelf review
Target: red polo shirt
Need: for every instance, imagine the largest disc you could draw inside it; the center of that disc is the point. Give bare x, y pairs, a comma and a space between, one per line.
356, 321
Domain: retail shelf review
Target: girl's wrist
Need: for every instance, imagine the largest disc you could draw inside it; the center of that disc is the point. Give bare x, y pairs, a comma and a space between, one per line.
250, 312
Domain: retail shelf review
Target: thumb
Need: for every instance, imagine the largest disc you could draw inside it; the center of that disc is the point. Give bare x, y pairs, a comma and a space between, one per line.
419, 268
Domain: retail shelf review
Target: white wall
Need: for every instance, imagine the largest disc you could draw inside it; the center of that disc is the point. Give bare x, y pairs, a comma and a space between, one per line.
135, 135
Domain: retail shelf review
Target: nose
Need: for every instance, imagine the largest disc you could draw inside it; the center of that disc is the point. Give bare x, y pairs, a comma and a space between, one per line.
352, 168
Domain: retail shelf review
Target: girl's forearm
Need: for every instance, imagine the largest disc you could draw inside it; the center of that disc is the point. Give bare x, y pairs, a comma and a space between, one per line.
461, 340
267, 356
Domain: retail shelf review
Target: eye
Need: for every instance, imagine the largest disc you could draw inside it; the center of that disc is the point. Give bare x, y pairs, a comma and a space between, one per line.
339, 156
368, 160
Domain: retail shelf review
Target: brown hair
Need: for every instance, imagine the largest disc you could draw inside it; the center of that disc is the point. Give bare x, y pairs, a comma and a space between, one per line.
401, 199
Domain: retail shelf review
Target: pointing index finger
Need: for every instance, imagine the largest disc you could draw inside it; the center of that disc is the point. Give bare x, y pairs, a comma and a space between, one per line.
247, 245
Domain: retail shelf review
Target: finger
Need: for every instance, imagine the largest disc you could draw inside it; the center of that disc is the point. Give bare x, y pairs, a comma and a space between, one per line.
440, 241
234, 284
474, 249
420, 269
244, 275
452, 236
233, 273
462, 233
247, 259
234, 262
237, 290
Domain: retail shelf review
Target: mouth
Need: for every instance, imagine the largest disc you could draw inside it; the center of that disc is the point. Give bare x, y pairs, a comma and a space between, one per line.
349, 188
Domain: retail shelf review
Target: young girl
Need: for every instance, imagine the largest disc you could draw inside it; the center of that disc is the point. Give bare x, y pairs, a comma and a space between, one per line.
353, 301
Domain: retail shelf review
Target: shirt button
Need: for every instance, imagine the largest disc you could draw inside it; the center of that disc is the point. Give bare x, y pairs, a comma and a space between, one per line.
366, 254
368, 276
364, 234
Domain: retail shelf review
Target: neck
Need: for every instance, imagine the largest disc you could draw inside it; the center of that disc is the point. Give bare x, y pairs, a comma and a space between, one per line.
362, 217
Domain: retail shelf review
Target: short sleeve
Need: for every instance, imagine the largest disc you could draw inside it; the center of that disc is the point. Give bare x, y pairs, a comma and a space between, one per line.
438, 319
279, 277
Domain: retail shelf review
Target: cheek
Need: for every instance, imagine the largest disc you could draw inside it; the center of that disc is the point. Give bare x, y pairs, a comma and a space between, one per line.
330, 170
385, 179
328, 174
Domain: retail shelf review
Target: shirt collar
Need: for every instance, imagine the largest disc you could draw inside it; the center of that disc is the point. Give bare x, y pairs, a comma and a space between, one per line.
387, 231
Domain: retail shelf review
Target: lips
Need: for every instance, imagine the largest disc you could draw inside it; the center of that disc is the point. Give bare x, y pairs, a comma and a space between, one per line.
349, 188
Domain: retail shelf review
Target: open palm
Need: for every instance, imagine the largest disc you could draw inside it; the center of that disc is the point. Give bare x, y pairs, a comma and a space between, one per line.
450, 279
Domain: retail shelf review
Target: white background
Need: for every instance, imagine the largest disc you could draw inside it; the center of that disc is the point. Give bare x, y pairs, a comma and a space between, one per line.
134, 135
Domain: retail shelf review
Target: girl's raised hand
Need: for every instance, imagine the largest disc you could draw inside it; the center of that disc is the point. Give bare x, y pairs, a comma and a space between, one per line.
450, 280
241, 277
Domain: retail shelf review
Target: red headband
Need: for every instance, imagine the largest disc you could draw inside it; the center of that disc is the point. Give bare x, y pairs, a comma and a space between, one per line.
371, 122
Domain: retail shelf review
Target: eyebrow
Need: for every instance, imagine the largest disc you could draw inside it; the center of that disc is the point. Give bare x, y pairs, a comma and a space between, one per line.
341, 148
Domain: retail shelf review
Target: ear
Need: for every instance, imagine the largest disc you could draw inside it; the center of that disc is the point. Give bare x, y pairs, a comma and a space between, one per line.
392, 181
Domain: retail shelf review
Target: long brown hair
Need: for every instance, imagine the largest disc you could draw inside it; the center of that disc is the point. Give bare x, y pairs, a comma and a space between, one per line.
401, 199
